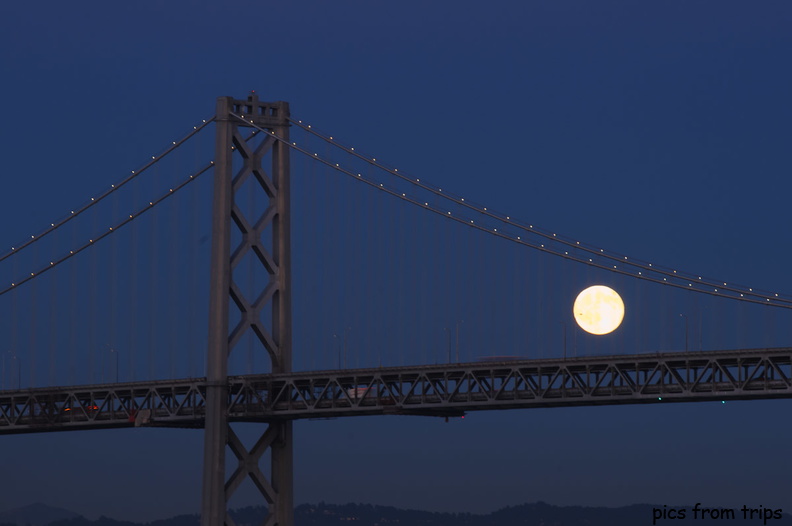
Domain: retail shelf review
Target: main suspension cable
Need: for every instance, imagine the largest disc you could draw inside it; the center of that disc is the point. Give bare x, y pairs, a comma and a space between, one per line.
716, 285
113, 188
54, 263
741, 294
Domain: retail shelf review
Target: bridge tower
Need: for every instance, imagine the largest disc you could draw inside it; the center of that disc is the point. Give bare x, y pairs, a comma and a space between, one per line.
275, 335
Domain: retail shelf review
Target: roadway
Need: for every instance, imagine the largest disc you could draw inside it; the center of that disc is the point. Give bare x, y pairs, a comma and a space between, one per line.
431, 390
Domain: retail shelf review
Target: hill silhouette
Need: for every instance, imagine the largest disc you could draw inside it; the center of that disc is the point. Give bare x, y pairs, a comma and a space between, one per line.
322, 514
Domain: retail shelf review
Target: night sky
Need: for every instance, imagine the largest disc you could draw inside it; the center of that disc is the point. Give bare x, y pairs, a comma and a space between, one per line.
659, 130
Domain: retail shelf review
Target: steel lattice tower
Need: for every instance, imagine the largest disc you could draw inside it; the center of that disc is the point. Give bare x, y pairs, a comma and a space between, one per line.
275, 334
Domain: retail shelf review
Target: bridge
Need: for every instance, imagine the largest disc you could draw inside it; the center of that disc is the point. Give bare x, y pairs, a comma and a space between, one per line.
431, 390
250, 303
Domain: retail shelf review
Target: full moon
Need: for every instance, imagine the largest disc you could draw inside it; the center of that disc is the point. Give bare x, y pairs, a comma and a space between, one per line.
598, 310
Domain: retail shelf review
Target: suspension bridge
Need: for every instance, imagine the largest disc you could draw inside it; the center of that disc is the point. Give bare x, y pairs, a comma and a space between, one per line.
115, 374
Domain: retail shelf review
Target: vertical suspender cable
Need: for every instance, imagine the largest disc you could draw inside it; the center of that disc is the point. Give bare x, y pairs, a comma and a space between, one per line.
389, 236
566, 298
351, 293
174, 245
301, 180
489, 264
323, 343
363, 354
770, 331
528, 272
635, 321
418, 279
153, 282
112, 350
71, 302
328, 341
132, 348
668, 336
93, 319
450, 290
402, 296
13, 376
53, 330
540, 325
695, 322
31, 355
365, 276
317, 344
515, 302
192, 280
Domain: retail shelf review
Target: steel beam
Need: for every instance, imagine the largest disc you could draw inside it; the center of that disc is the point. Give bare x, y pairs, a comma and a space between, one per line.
213, 503
275, 334
448, 390
432, 390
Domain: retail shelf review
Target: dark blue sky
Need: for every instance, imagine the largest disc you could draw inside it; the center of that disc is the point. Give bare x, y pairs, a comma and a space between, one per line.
658, 130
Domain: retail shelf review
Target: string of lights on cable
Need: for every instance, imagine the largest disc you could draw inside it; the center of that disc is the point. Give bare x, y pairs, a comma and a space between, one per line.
93, 240
528, 235
716, 285
111, 230
16, 249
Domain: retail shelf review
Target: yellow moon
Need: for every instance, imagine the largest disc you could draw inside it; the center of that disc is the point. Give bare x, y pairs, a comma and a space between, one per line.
598, 310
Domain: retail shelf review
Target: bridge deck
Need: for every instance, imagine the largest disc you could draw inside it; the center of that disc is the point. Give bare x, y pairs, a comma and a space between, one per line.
433, 390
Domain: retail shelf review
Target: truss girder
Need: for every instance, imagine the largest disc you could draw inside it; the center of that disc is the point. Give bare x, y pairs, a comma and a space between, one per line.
433, 390
119, 405
746, 374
